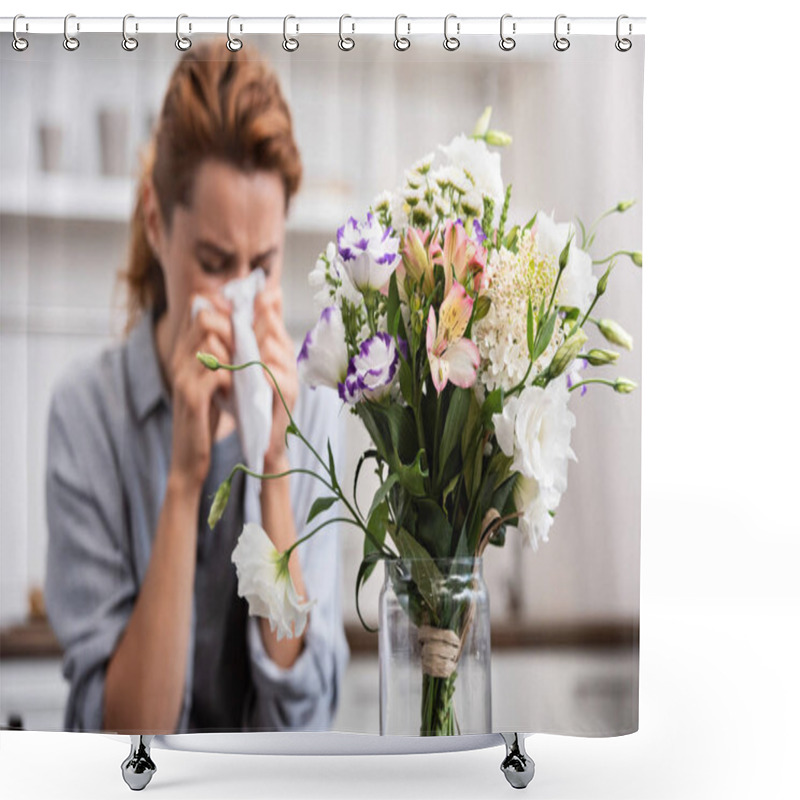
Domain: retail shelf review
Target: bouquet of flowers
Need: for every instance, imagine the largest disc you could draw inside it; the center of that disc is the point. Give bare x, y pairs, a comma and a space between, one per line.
457, 339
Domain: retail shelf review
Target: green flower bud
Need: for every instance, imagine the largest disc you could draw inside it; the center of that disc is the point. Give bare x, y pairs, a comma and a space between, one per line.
615, 333
602, 284
566, 353
220, 501
482, 125
636, 257
563, 257
625, 205
598, 357
207, 360
624, 386
498, 138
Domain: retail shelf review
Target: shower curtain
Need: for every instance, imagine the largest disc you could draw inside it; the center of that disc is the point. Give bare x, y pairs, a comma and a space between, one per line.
431, 260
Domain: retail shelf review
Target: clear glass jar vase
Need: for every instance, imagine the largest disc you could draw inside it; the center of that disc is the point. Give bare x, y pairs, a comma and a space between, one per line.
434, 647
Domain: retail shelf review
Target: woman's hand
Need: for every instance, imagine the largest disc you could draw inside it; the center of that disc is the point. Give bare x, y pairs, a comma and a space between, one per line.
277, 352
195, 415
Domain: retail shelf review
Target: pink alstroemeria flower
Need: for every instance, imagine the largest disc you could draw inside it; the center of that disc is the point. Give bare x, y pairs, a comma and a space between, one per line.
452, 358
420, 249
460, 254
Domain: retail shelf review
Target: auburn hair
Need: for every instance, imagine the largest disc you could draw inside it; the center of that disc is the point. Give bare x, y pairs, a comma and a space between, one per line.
218, 104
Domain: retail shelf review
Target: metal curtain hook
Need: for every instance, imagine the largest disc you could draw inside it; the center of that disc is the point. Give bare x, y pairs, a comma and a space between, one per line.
129, 43
561, 43
182, 42
623, 44
401, 42
70, 42
234, 45
18, 43
346, 42
507, 42
451, 42
290, 44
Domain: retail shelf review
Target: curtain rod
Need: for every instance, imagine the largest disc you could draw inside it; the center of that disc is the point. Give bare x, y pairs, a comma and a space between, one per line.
298, 25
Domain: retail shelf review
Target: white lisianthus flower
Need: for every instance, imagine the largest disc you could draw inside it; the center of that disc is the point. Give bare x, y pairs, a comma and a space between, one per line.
265, 582
534, 429
368, 252
372, 370
331, 280
536, 502
475, 158
322, 360
578, 284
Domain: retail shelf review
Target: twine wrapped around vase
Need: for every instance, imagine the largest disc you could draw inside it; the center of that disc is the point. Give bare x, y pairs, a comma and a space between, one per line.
440, 649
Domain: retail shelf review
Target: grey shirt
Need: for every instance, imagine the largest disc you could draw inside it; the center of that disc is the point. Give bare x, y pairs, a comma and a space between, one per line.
109, 444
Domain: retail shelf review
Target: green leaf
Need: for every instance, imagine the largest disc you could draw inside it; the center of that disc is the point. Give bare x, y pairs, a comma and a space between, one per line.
511, 238
481, 309
332, 467
454, 423
362, 458
424, 572
406, 382
530, 330
530, 223
449, 488
492, 404
320, 505
412, 476
364, 571
383, 490
392, 305
544, 335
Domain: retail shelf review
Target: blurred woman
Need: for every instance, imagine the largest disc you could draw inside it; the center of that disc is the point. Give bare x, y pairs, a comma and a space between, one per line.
140, 592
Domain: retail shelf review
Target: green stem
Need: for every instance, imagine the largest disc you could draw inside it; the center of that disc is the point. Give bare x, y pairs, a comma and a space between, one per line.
357, 517
266, 476
591, 380
319, 527
628, 253
588, 311
237, 367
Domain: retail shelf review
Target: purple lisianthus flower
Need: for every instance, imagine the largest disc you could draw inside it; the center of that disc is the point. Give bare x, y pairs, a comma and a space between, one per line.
372, 370
368, 252
574, 375
322, 360
480, 236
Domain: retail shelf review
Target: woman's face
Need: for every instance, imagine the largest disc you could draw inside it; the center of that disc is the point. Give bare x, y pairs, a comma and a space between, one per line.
235, 222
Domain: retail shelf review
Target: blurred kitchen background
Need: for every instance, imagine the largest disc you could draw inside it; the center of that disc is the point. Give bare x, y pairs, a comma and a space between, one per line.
565, 619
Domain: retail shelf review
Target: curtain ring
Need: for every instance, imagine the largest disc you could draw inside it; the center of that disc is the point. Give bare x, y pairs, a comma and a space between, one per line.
507, 42
451, 42
18, 43
346, 42
290, 44
182, 42
70, 42
234, 45
401, 42
129, 43
623, 44
561, 43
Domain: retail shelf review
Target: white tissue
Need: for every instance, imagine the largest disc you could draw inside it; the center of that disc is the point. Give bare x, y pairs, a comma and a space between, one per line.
252, 391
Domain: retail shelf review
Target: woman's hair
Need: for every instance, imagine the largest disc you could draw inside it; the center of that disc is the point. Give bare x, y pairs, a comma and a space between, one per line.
219, 104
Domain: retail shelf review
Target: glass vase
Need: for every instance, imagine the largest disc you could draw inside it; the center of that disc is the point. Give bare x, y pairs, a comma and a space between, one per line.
434, 648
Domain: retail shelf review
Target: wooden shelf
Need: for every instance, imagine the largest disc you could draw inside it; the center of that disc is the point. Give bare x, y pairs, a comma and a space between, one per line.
36, 639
